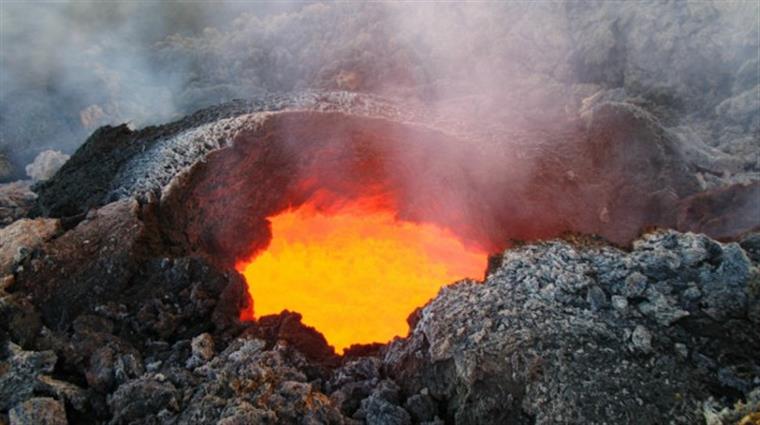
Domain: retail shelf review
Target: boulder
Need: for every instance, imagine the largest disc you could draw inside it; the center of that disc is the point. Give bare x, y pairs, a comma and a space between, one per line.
529, 345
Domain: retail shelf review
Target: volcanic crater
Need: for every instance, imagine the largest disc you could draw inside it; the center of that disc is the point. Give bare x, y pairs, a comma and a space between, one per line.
137, 302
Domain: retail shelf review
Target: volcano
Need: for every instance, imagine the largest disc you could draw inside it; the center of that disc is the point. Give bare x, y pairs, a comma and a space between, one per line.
381, 213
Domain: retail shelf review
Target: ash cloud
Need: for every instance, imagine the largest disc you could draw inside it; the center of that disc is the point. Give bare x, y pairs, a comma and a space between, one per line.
70, 67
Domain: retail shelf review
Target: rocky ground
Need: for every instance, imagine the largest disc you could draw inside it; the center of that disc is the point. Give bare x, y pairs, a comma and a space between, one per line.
567, 331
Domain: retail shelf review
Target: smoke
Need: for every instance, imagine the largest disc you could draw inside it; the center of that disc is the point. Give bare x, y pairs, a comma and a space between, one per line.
72, 66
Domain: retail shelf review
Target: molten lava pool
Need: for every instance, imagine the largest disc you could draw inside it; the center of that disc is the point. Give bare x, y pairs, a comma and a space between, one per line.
354, 271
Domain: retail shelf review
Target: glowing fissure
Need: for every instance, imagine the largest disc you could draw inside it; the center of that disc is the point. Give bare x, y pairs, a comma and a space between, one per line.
354, 271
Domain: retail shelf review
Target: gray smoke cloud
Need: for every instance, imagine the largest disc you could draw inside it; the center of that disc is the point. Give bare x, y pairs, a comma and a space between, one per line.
70, 67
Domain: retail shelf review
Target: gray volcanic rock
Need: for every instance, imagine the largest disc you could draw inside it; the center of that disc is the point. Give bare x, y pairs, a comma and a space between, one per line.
39, 411
20, 372
119, 299
16, 199
530, 345
560, 332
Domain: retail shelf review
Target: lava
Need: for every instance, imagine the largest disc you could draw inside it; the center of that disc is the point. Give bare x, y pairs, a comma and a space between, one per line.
354, 270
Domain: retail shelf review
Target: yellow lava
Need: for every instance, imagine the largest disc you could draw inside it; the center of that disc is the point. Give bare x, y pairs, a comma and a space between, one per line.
355, 272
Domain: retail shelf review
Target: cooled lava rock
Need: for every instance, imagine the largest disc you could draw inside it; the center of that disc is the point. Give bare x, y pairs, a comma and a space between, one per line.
16, 199
560, 332
584, 333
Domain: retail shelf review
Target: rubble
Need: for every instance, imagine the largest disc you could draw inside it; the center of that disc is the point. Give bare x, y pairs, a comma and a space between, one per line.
39, 411
16, 199
531, 344
20, 238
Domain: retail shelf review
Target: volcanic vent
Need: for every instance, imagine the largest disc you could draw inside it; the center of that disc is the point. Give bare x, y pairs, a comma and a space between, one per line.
352, 211
347, 220
318, 213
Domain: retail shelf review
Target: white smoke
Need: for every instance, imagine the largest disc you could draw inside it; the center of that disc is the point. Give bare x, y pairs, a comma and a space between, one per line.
68, 67
46, 164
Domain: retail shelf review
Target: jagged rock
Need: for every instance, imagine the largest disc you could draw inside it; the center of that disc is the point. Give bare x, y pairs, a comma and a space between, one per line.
503, 351
244, 414
24, 373
19, 373
64, 391
751, 245
84, 264
635, 284
16, 199
19, 239
287, 326
138, 300
248, 374
202, 350
111, 365
744, 412
39, 411
142, 398
642, 339
94, 268
382, 406
353, 382
19, 318
537, 331
421, 407
377, 411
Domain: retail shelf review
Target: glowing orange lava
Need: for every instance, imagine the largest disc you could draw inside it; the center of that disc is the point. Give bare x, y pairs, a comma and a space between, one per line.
355, 272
